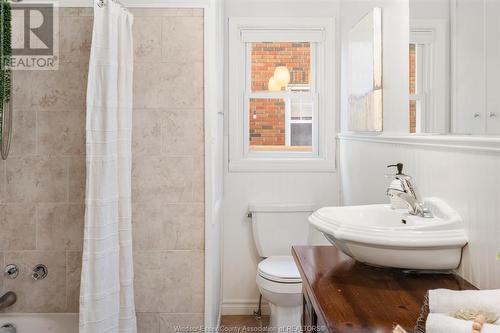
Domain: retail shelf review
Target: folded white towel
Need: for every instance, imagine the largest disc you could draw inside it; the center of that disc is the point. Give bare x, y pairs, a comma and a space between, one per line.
441, 323
450, 301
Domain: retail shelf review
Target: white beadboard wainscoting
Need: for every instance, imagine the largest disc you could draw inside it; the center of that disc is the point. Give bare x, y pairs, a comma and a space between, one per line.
462, 171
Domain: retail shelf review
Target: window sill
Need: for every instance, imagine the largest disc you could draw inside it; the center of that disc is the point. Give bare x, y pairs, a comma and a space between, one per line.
302, 165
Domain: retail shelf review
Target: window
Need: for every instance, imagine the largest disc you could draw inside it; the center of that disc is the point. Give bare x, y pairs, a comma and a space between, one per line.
419, 75
429, 76
280, 97
278, 120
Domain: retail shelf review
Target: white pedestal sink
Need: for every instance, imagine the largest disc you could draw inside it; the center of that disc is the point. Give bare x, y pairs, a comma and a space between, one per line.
381, 236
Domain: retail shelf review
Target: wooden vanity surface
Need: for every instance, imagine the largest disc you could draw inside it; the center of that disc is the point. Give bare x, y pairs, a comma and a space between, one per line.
348, 296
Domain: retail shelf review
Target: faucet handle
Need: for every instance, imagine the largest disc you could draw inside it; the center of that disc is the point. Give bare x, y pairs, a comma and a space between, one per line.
11, 271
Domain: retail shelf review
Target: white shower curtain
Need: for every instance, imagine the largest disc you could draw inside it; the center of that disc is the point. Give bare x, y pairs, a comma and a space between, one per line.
107, 289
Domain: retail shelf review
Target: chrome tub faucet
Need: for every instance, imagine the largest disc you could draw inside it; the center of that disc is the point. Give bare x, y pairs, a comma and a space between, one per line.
7, 299
407, 192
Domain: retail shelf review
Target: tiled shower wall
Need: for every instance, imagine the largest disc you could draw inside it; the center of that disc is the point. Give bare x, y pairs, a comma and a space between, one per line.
42, 182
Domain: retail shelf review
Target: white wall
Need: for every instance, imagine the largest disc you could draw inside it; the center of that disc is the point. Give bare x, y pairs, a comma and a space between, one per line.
240, 293
430, 9
395, 40
282, 8
468, 180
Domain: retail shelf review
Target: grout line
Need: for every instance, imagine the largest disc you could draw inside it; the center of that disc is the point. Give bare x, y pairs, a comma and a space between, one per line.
36, 133
36, 225
66, 280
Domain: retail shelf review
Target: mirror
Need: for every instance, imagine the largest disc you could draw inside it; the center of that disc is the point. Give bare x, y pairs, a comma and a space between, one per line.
365, 74
454, 62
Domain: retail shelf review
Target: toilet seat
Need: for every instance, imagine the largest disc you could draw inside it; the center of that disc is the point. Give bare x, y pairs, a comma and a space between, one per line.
281, 269
279, 290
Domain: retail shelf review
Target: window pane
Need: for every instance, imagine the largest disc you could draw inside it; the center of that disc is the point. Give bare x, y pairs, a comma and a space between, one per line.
302, 109
267, 123
279, 66
272, 128
413, 68
301, 134
414, 116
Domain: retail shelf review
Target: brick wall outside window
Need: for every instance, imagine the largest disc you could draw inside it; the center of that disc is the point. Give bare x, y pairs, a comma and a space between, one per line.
267, 116
413, 74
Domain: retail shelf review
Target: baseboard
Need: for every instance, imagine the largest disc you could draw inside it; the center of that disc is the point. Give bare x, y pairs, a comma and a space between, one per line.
243, 307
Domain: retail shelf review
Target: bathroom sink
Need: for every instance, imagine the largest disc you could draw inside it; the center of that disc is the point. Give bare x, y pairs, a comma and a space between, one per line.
380, 236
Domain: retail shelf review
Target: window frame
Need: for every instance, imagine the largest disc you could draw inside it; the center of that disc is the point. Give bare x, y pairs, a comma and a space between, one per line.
423, 41
320, 32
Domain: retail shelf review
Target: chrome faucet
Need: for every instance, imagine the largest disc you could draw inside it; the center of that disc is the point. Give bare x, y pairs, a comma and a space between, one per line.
407, 192
7, 299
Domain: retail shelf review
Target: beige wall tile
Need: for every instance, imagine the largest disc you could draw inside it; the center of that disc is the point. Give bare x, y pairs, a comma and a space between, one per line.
76, 11
168, 85
198, 12
148, 323
24, 133
17, 227
77, 178
169, 281
2, 263
181, 322
183, 132
161, 12
148, 81
147, 39
158, 226
162, 178
147, 132
60, 227
47, 295
36, 179
61, 133
76, 39
73, 276
199, 179
182, 39
182, 85
22, 82
61, 90
3, 180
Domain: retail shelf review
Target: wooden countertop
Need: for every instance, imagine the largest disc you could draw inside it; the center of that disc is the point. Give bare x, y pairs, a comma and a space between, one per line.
352, 297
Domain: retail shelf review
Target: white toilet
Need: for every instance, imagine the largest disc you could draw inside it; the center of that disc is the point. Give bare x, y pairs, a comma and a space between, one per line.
275, 229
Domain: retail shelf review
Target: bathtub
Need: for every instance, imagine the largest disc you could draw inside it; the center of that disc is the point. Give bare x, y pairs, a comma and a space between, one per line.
41, 322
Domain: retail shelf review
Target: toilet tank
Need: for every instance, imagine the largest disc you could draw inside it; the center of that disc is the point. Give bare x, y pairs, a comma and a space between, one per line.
276, 227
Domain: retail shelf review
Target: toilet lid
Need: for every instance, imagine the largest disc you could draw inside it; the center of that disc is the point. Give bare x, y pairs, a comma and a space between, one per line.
279, 269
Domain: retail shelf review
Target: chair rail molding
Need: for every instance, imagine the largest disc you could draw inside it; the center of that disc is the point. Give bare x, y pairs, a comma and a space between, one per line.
460, 142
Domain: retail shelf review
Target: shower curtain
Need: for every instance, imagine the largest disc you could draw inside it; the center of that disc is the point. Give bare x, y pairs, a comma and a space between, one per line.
107, 292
